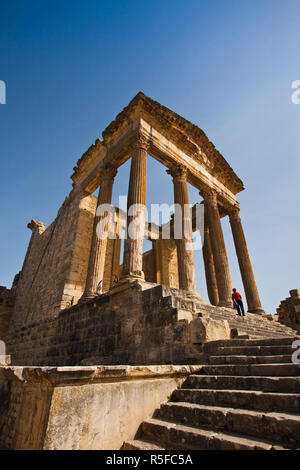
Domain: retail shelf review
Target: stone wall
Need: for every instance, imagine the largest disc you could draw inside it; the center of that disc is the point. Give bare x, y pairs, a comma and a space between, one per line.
129, 325
289, 310
108, 404
134, 323
55, 265
6, 308
79, 250
149, 267
166, 262
112, 268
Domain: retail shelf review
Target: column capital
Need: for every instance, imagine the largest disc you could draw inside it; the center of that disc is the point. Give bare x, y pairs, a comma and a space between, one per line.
141, 142
107, 174
178, 173
234, 213
209, 195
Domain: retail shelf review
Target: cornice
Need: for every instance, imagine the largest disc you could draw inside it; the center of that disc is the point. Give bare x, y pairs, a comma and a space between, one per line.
87, 160
81, 375
185, 134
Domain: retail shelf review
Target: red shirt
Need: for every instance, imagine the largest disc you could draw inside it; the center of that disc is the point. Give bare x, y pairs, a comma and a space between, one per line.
236, 296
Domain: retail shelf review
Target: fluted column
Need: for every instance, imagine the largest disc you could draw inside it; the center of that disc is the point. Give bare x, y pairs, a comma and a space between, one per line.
251, 292
133, 246
184, 244
209, 265
218, 248
99, 240
115, 270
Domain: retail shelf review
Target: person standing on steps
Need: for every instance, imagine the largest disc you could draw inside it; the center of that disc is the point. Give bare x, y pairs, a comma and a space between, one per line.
238, 303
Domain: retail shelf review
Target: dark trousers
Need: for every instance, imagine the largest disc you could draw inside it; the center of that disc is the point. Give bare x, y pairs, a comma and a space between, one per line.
240, 308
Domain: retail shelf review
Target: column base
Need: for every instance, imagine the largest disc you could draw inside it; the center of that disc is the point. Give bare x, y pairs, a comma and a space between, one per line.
126, 283
227, 304
139, 275
89, 296
257, 311
194, 296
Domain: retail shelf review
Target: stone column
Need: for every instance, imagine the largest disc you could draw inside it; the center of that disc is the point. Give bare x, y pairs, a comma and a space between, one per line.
157, 259
115, 272
133, 246
209, 265
185, 252
218, 248
251, 292
99, 242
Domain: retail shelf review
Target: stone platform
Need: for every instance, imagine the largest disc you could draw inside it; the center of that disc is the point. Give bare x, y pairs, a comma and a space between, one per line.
137, 324
108, 404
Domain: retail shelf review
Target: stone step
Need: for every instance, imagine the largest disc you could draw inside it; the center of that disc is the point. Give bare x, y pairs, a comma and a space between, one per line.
254, 350
248, 322
181, 299
273, 426
254, 326
218, 312
283, 359
276, 370
257, 330
178, 436
138, 444
260, 383
250, 399
282, 341
177, 298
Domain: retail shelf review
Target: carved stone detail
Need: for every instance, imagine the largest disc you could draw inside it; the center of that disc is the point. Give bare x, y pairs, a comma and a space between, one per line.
141, 143
178, 173
234, 213
34, 225
107, 174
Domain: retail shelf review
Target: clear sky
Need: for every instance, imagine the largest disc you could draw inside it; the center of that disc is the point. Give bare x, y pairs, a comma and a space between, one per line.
226, 65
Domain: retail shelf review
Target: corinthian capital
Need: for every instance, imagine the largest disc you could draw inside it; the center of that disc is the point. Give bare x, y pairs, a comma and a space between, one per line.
209, 195
234, 213
108, 173
141, 142
178, 172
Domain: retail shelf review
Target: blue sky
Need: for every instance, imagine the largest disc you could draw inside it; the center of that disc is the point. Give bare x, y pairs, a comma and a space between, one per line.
226, 65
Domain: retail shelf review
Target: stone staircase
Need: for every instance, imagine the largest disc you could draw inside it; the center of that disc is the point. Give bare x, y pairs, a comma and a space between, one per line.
246, 397
255, 326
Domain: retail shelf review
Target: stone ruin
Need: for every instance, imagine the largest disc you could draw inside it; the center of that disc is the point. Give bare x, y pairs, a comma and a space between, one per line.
289, 310
81, 320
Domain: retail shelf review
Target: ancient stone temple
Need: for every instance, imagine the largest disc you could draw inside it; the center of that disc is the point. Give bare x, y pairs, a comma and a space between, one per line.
134, 329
